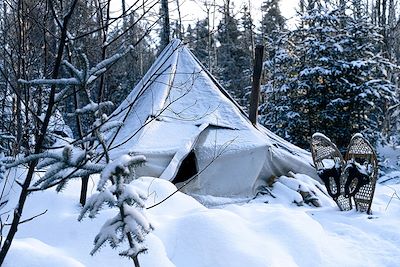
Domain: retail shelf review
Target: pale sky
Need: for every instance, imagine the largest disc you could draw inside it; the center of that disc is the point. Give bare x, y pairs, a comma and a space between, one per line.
192, 10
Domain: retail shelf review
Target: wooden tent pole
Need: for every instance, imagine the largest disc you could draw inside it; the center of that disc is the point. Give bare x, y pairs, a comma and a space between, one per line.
255, 90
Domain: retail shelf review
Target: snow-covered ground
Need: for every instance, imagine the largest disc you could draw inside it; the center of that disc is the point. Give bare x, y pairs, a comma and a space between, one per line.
220, 232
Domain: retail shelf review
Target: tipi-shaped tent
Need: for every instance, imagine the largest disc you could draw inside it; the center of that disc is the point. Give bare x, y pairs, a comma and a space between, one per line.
184, 122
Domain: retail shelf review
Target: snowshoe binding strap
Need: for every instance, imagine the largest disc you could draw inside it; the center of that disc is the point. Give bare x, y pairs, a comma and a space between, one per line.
355, 179
331, 179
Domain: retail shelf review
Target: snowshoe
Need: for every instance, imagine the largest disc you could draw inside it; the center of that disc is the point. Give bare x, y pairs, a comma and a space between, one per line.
361, 172
329, 161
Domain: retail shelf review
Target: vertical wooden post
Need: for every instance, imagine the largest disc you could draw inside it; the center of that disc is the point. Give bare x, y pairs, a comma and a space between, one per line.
255, 90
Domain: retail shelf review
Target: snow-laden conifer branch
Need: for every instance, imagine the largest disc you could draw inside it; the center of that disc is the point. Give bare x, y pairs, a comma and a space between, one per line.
131, 223
7, 136
27, 159
95, 203
61, 95
123, 166
60, 164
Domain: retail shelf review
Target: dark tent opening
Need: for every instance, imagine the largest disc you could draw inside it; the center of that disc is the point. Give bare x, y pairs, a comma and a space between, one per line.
187, 169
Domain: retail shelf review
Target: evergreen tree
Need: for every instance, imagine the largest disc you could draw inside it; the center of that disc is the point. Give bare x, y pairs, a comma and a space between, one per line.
275, 109
246, 44
272, 20
200, 42
232, 60
337, 84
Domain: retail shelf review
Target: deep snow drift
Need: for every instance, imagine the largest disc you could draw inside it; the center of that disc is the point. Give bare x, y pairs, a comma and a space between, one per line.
222, 232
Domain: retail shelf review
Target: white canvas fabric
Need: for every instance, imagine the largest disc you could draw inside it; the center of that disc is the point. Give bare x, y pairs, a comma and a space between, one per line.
178, 107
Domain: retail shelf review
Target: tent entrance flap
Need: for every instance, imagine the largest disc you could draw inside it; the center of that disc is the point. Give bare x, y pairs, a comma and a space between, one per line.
184, 159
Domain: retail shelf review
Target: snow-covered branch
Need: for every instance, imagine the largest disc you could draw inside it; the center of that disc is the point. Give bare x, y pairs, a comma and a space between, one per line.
60, 81
83, 77
131, 223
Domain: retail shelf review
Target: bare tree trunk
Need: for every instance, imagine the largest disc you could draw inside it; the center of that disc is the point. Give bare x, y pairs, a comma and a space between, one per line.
136, 261
18, 120
227, 15
165, 31
251, 35
104, 24
391, 28
378, 12
180, 34
383, 19
214, 46
209, 48
124, 19
391, 39
392, 14
5, 69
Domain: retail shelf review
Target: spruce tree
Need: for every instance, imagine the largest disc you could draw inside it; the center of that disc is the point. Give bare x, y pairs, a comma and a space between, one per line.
336, 80
198, 40
232, 60
275, 109
272, 20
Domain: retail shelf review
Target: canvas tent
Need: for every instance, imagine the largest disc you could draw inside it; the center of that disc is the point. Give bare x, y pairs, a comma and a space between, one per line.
184, 122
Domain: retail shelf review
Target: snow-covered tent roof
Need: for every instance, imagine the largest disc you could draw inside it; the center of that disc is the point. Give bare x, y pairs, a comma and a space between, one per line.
185, 123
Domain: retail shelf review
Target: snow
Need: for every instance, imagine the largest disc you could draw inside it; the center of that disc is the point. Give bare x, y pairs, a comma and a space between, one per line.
222, 232
40, 255
357, 135
389, 160
321, 135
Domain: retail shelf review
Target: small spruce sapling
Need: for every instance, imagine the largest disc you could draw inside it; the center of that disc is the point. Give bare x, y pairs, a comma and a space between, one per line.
115, 190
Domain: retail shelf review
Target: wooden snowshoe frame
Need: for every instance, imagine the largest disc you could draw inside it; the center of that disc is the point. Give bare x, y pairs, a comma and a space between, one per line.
323, 149
361, 152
